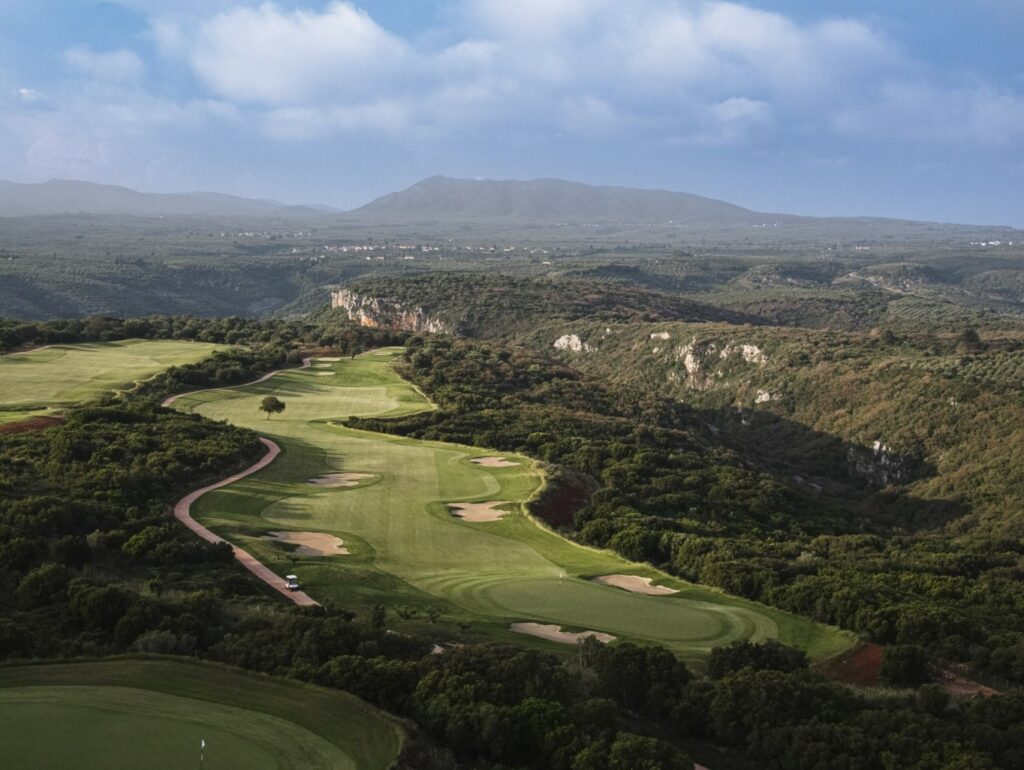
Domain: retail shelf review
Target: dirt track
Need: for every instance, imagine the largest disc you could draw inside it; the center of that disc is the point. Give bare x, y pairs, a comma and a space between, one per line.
182, 512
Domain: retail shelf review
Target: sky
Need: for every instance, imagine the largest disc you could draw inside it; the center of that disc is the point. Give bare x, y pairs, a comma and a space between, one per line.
904, 108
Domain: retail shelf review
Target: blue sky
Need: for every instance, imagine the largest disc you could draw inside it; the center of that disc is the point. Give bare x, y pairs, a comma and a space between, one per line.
912, 109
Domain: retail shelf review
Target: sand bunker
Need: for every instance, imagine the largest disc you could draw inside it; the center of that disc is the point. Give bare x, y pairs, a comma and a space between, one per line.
334, 480
635, 584
478, 512
323, 374
494, 462
555, 633
332, 360
311, 543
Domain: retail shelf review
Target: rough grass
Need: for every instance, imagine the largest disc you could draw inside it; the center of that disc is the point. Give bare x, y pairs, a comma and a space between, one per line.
409, 552
145, 712
36, 381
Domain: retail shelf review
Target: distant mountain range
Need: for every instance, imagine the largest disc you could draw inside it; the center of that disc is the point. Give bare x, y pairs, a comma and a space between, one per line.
540, 203
62, 196
553, 200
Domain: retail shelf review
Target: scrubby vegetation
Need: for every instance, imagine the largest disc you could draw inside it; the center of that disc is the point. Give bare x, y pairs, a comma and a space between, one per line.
660, 485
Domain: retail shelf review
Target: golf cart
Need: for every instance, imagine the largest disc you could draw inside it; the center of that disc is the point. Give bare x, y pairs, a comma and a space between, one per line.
291, 582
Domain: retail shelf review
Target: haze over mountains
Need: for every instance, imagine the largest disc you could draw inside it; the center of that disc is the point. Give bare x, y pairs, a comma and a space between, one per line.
439, 199
63, 196
442, 197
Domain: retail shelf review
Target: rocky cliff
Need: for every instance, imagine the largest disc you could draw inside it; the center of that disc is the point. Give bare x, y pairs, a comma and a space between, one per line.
384, 313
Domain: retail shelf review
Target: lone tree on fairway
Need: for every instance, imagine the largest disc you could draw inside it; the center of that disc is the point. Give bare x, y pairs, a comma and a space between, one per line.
272, 405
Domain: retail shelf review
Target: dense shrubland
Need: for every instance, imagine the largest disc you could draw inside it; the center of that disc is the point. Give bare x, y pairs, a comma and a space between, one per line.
92, 564
660, 486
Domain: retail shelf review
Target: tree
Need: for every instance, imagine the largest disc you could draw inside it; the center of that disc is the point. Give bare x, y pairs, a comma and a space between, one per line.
272, 405
904, 665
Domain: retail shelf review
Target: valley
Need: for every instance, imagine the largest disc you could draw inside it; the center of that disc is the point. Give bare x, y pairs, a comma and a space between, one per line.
407, 552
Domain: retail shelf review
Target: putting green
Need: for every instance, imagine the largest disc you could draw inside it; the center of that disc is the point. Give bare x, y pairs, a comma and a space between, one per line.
154, 713
63, 375
409, 552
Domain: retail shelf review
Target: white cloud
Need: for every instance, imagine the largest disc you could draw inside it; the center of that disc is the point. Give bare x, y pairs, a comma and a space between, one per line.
276, 57
122, 65
29, 95
913, 110
672, 70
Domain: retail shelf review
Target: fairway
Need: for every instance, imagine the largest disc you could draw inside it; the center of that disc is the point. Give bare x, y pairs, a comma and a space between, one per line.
153, 713
407, 550
37, 381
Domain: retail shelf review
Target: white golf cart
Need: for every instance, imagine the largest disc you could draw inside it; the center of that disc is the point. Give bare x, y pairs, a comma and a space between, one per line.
291, 582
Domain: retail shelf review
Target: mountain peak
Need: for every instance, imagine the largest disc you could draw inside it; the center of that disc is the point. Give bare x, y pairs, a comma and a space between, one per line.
441, 197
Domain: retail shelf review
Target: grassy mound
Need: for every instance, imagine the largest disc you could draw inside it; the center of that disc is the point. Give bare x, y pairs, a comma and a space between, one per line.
128, 713
37, 381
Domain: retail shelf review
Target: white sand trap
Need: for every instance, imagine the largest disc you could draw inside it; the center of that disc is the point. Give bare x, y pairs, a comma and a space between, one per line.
330, 360
555, 633
494, 462
334, 480
478, 512
324, 374
634, 584
312, 543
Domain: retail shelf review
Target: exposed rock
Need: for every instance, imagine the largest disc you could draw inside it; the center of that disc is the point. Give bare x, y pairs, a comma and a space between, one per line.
880, 465
571, 342
704, 361
383, 313
660, 336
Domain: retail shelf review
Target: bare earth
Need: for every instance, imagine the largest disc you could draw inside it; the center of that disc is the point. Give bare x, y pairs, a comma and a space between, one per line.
634, 584
247, 560
312, 543
555, 633
478, 512
494, 462
333, 480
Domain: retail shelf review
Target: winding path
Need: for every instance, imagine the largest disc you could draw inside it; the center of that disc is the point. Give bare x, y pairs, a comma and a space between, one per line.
183, 512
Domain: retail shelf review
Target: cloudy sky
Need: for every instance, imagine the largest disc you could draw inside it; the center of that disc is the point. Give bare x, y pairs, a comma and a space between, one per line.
911, 108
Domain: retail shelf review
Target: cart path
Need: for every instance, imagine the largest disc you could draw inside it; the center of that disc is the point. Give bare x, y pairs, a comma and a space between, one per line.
182, 512
306, 362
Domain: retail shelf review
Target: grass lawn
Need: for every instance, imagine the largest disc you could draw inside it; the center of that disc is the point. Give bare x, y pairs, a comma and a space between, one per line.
409, 553
34, 382
153, 713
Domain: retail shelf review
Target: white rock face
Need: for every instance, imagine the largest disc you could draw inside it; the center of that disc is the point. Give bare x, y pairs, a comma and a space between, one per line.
752, 354
571, 342
763, 397
383, 313
661, 336
704, 362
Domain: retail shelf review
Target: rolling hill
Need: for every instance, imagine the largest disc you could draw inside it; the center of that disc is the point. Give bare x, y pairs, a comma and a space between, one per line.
64, 196
442, 197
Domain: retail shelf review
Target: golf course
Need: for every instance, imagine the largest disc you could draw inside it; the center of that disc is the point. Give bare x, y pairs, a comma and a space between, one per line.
156, 713
439, 533
39, 382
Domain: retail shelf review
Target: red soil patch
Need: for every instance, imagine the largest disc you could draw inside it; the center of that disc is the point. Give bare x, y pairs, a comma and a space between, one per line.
32, 423
858, 666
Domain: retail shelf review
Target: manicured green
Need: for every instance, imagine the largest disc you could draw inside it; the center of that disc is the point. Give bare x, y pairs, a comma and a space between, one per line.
408, 552
153, 713
63, 375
